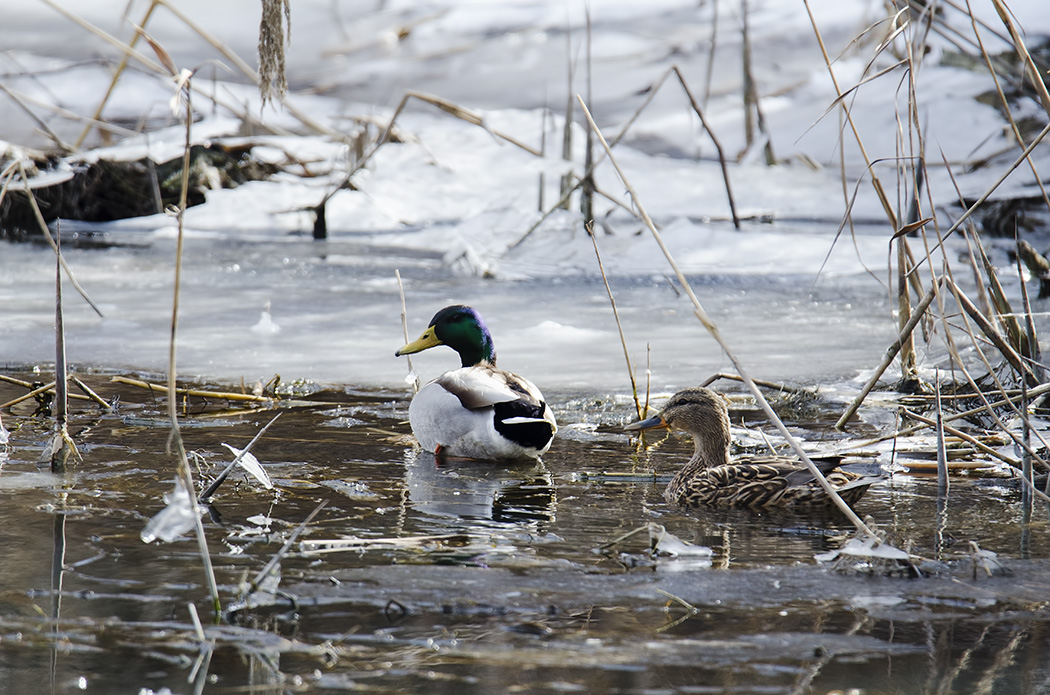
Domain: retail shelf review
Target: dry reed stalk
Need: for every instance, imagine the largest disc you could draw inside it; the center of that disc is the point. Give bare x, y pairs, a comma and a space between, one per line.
876, 183
184, 91
906, 344
108, 38
224, 395
1003, 311
33, 392
566, 186
1031, 70
1035, 354
783, 388
989, 406
989, 330
20, 101
116, 77
891, 353
984, 196
1004, 101
616, 315
404, 329
50, 240
718, 145
938, 428
587, 182
948, 429
1007, 401
712, 328
753, 116
89, 393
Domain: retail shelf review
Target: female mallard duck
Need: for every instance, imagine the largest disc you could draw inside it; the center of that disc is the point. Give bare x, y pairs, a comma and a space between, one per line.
712, 479
477, 411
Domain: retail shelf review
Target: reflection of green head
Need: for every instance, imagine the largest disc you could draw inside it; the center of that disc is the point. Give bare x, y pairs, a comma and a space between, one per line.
463, 330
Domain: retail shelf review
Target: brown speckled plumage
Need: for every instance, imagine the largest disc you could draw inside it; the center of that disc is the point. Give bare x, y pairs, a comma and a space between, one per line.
712, 479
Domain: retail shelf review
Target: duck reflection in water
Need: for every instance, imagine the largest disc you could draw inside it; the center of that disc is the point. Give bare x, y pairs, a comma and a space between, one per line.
479, 491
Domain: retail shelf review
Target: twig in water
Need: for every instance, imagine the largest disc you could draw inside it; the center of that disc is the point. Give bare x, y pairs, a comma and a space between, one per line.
33, 392
784, 388
90, 392
702, 315
225, 395
269, 567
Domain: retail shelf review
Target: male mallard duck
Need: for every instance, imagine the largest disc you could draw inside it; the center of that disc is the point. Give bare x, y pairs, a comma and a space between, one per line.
712, 479
477, 411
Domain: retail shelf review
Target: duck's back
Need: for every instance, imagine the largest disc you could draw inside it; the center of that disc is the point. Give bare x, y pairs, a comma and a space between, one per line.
482, 412
757, 482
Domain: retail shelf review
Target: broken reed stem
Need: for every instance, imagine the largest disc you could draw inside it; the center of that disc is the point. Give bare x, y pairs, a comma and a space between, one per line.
183, 461
1012, 462
587, 183
891, 353
219, 479
988, 407
761, 382
62, 445
702, 315
404, 329
20, 101
616, 315
969, 439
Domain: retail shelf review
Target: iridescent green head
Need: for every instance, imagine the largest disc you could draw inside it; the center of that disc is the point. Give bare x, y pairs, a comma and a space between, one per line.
462, 329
